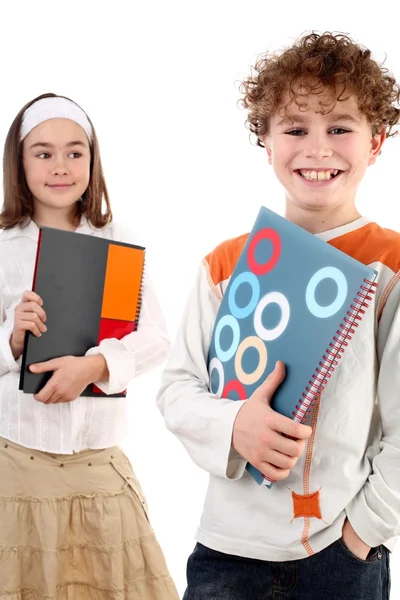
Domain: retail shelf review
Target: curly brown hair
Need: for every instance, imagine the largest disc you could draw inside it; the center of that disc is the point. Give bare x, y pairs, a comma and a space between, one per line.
314, 64
18, 204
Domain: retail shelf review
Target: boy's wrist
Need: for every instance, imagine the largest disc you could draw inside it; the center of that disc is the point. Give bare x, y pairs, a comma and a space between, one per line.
353, 541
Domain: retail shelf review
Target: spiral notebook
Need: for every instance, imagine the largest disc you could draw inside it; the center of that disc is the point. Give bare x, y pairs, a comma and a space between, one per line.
291, 297
91, 290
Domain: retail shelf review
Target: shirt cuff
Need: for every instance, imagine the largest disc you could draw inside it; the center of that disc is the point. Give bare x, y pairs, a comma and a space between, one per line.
236, 465
231, 463
7, 360
366, 523
120, 366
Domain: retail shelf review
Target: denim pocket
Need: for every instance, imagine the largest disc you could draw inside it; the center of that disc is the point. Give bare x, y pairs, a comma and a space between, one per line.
374, 555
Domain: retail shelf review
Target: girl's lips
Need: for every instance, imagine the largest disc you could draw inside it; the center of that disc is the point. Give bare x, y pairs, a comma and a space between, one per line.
59, 186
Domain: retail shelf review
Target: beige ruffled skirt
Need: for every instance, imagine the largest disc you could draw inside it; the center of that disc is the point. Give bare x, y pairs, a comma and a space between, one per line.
75, 527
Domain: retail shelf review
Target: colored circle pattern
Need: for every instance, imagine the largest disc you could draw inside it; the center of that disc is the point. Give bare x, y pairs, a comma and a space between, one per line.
216, 365
227, 321
272, 298
234, 386
254, 309
323, 312
251, 342
251, 279
264, 234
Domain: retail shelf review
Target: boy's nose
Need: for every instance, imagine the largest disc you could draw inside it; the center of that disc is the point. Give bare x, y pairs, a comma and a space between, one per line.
318, 151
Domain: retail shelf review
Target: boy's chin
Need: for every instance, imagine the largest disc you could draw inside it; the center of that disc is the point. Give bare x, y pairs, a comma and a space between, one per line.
313, 204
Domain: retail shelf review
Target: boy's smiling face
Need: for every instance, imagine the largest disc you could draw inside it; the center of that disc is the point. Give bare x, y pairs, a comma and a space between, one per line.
320, 159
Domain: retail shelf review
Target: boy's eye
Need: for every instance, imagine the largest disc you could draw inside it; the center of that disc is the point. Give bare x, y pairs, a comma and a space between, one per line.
300, 132
296, 132
339, 130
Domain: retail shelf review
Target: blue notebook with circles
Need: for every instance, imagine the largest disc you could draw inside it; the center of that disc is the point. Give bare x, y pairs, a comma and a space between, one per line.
291, 297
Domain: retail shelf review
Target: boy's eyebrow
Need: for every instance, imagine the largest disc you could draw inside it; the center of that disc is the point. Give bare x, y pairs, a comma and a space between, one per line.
47, 145
297, 118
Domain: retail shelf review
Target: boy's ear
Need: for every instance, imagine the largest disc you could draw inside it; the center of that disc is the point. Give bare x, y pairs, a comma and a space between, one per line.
376, 145
267, 143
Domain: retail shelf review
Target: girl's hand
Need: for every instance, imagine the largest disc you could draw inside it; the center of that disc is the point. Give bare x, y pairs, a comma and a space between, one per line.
72, 374
28, 316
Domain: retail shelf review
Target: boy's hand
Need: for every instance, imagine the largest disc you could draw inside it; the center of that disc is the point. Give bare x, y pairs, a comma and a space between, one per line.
257, 432
28, 316
72, 374
353, 542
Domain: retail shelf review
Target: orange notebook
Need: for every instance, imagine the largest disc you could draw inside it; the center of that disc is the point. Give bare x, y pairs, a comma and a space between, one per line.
91, 290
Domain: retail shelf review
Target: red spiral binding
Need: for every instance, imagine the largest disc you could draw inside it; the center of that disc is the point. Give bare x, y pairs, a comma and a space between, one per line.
334, 352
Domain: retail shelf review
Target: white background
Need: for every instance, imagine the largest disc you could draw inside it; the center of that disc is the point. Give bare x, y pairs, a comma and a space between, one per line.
159, 80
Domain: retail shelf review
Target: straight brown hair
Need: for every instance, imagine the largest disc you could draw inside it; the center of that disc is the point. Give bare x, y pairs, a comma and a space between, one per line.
18, 202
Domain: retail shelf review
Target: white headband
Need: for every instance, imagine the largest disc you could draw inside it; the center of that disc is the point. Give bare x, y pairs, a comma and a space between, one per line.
53, 108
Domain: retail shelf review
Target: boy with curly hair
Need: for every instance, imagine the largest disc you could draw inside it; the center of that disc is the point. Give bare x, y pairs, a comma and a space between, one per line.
322, 110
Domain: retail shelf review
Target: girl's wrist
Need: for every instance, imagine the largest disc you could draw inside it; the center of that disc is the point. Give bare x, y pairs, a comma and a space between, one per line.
98, 370
16, 349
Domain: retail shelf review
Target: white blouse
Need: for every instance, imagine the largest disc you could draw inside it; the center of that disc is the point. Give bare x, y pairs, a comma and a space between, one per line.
87, 422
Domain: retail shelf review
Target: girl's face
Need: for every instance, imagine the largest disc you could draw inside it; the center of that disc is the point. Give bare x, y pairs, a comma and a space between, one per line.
56, 159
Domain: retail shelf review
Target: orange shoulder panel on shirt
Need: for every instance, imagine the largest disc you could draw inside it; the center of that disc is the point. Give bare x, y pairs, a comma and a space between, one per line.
222, 260
370, 244
367, 244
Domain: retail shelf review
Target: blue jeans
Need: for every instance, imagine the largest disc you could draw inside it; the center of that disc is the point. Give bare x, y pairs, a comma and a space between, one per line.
332, 574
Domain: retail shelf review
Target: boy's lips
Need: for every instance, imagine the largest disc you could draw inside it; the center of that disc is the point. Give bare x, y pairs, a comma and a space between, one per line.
318, 176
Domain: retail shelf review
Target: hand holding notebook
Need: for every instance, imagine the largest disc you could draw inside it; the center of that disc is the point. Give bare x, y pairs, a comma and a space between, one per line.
69, 376
292, 297
91, 290
29, 316
271, 442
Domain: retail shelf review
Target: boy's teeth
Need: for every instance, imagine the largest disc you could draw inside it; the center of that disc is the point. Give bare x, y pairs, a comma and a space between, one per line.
318, 175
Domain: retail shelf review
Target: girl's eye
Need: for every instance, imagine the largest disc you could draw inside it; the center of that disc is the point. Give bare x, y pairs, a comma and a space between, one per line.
296, 132
45, 155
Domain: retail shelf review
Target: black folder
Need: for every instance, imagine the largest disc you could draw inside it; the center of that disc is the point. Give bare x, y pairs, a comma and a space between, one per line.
91, 290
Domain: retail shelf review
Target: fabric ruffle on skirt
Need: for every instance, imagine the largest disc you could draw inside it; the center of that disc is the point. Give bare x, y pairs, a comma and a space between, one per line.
76, 528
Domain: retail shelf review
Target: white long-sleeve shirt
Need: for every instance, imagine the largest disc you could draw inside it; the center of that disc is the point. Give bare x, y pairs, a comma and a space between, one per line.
86, 422
351, 466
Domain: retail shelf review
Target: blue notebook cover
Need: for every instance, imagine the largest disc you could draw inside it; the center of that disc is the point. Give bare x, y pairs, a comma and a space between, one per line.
288, 286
